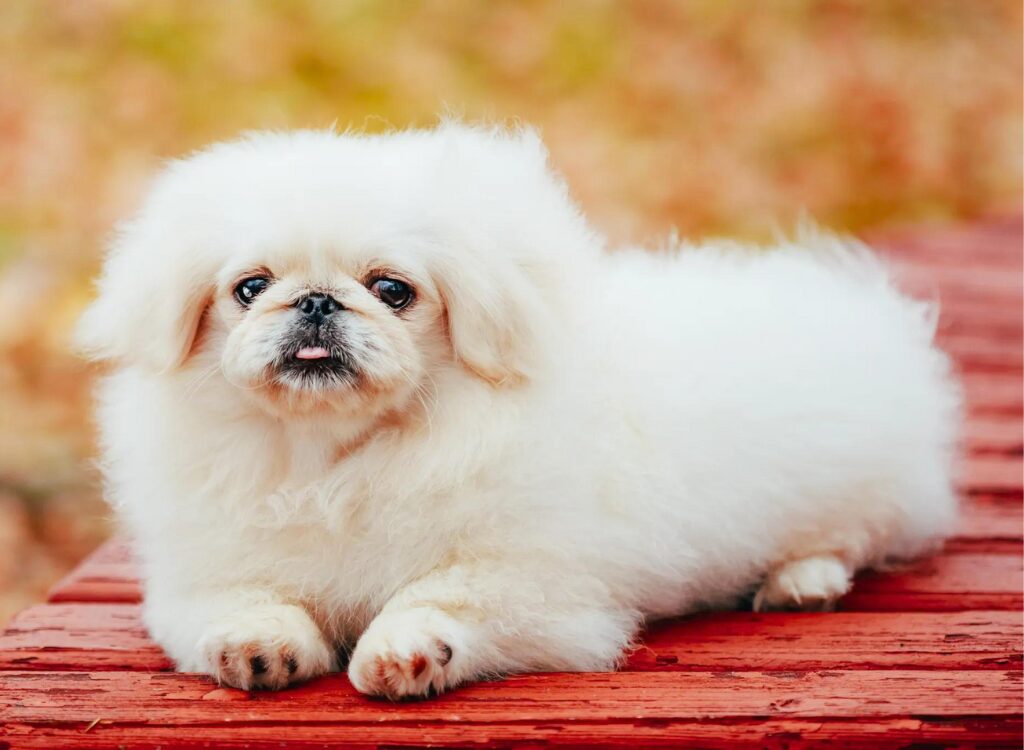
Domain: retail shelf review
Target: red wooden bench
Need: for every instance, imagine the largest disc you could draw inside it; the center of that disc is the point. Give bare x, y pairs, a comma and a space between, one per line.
928, 654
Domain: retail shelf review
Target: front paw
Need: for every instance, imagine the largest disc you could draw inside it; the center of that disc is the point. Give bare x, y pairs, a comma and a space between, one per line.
406, 654
266, 647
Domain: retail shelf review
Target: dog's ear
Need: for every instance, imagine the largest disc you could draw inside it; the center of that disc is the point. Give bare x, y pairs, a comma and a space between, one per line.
510, 231
152, 296
492, 311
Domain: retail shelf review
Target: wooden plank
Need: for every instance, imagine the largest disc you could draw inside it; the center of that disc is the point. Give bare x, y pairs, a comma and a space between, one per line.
1001, 278
107, 575
943, 583
993, 475
739, 641
990, 518
102, 637
80, 637
994, 393
954, 289
977, 354
978, 319
995, 285
717, 734
73, 699
991, 241
994, 435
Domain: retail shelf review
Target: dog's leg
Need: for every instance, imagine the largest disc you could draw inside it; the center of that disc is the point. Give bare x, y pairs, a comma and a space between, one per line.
246, 639
470, 622
809, 583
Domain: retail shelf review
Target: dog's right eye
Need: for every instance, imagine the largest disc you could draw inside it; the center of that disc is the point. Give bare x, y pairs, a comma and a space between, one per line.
251, 288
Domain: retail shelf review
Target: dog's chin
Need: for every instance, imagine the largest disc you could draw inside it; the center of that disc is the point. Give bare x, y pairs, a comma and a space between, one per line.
327, 386
308, 391
325, 375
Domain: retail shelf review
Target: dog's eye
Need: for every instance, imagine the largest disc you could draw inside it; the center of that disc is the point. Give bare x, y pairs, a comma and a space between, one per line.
251, 288
392, 292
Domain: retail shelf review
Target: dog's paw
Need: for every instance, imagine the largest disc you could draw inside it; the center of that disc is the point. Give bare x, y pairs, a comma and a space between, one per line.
266, 647
406, 654
811, 583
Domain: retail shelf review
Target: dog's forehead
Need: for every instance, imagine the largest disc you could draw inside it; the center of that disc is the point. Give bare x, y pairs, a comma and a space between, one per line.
302, 261
323, 177
281, 198
303, 221
330, 255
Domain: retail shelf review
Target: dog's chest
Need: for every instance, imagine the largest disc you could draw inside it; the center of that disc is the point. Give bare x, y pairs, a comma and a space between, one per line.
343, 535
345, 575
346, 545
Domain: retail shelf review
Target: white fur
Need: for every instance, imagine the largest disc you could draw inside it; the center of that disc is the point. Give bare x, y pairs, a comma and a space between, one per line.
565, 442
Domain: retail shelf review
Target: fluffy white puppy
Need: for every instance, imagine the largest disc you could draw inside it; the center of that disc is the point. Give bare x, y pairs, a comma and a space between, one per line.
389, 397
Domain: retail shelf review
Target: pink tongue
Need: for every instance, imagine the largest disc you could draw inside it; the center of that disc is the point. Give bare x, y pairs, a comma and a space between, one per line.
312, 352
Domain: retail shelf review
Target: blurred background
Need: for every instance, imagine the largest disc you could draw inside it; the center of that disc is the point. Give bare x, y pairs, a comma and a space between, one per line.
708, 116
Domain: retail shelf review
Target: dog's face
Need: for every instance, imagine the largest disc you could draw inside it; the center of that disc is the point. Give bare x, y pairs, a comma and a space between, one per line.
314, 271
353, 330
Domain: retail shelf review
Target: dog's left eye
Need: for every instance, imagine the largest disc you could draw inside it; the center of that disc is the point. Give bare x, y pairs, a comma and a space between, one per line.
251, 288
392, 292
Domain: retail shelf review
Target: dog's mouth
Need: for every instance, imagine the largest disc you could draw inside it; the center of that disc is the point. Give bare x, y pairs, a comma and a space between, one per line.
314, 358
315, 363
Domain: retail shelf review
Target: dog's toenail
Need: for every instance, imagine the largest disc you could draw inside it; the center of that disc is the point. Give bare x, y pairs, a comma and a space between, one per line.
446, 654
419, 663
257, 665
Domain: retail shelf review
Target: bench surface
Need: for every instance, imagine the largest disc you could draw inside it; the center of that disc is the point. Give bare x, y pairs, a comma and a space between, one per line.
927, 654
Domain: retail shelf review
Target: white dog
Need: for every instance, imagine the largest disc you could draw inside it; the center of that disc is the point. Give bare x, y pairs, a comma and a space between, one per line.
390, 396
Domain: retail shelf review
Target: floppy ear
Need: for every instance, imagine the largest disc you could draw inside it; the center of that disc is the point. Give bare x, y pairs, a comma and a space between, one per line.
152, 295
516, 228
491, 311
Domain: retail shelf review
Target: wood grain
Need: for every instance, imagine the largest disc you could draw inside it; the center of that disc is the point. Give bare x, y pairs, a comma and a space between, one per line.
73, 698
989, 394
736, 641
994, 435
110, 637
992, 475
991, 518
80, 637
1001, 731
107, 575
979, 354
948, 582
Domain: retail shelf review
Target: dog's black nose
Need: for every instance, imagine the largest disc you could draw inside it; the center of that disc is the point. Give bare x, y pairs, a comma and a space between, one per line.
318, 307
